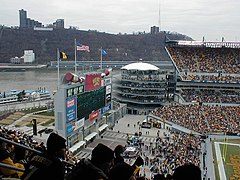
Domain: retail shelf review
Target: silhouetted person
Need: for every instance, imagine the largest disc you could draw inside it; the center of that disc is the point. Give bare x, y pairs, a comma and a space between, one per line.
122, 171
48, 165
118, 152
97, 168
187, 172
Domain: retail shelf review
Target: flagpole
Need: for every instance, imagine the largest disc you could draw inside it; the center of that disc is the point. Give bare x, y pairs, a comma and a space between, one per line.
101, 59
75, 47
58, 58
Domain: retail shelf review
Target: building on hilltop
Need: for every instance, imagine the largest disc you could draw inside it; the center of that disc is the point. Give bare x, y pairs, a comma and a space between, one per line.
27, 22
154, 30
23, 18
59, 24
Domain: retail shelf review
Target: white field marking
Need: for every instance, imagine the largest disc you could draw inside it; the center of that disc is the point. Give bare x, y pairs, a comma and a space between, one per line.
221, 169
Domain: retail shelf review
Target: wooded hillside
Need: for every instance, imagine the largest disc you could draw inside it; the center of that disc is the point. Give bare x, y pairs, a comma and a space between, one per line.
147, 47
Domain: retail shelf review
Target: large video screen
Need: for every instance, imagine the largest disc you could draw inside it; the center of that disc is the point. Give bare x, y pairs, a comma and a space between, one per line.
90, 101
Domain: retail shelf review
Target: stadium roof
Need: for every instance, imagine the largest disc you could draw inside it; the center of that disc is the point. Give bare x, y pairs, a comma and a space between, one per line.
140, 66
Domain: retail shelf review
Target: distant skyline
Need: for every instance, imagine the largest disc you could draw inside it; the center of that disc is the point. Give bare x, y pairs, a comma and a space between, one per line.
212, 19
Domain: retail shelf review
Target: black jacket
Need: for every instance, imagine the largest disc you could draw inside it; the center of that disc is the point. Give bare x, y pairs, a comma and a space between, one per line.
118, 159
85, 170
44, 167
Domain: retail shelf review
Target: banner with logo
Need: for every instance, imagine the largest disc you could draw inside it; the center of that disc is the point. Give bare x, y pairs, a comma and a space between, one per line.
106, 109
75, 126
71, 109
94, 115
93, 81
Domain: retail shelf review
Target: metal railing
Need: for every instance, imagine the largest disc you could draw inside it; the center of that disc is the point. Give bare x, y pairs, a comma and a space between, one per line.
25, 148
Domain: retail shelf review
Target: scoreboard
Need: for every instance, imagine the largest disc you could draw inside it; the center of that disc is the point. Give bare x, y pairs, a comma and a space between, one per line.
90, 101
78, 106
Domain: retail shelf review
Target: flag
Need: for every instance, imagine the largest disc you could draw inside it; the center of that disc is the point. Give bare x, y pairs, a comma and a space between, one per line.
104, 52
81, 47
63, 55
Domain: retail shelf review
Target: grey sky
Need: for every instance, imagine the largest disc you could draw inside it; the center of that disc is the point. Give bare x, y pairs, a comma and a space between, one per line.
212, 19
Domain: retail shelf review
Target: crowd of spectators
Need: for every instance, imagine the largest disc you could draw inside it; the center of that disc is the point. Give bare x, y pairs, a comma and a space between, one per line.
202, 95
211, 96
207, 60
215, 78
144, 85
170, 154
222, 78
210, 60
143, 92
19, 157
228, 96
171, 151
202, 118
153, 78
163, 157
144, 99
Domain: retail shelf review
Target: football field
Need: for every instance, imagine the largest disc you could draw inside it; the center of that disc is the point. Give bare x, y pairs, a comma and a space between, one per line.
227, 159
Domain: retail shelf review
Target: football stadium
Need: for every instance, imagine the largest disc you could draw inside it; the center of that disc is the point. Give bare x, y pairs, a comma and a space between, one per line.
166, 117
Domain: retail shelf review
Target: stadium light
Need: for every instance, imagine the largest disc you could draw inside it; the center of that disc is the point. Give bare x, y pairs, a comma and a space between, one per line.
71, 77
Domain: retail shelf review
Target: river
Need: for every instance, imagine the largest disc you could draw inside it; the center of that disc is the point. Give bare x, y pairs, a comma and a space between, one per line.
32, 79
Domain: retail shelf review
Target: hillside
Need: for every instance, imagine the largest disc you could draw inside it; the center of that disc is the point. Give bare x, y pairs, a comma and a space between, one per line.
120, 47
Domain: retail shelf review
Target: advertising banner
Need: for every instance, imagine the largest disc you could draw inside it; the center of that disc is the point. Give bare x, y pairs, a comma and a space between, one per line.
75, 126
106, 81
71, 109
69, 129
106, 109
93, 81
78, 124
108, 89
93, 115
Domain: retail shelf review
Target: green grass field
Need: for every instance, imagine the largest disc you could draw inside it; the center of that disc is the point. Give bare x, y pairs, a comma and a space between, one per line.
232, 160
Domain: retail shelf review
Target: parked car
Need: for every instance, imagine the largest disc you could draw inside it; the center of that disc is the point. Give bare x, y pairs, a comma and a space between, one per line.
146, 125
131, 152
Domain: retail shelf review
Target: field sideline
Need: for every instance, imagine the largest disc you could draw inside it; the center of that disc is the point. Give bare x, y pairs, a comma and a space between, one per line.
228, 169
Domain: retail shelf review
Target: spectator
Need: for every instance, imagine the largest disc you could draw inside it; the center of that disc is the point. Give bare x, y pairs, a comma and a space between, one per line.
6, 158
118, 151
202, 119
187, 172
122, 171
136, 165
48, 165
96, 168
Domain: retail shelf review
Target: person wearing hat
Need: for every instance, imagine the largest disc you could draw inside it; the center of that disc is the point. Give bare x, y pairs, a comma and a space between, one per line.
48, 165
97, 168
187, 172
118, 152
122, 171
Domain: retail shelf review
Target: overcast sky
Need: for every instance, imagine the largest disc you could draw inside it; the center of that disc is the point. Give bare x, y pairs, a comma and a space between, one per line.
212, 19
